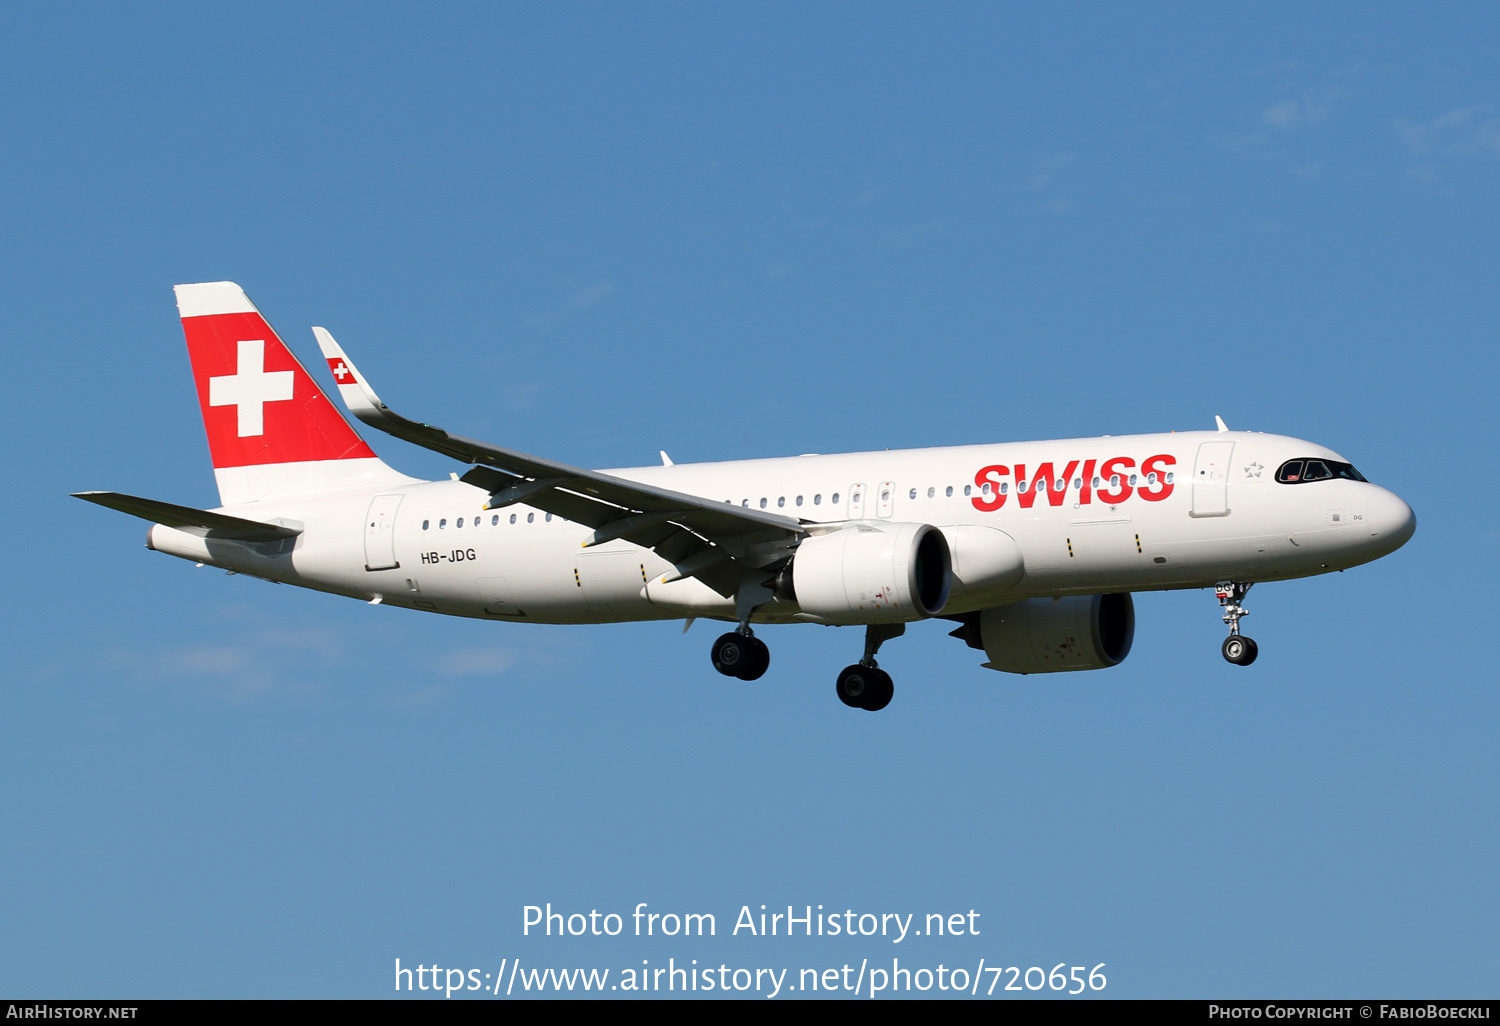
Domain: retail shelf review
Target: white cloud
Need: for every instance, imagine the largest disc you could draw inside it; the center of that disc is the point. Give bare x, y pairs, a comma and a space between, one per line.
1465, 132
1046, 169
580, 299
591, 295
475, 662
1312, 107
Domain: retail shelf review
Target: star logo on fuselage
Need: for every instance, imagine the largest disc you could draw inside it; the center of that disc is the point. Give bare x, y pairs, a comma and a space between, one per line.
1253, 470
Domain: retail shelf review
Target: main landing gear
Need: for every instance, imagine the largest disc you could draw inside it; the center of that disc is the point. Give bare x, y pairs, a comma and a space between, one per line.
861, 686
1238, 649
865, 685
741, 654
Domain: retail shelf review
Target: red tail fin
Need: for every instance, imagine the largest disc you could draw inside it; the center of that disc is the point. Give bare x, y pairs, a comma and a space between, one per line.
259, 404
261, 408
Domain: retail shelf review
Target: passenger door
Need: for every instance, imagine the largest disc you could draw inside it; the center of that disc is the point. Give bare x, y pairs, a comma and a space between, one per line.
1211, 479
380, 533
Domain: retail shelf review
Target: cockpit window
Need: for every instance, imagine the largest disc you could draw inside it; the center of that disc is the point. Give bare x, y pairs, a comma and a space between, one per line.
1299, 471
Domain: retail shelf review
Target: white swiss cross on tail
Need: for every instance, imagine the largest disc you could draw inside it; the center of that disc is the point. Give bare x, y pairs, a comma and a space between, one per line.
250, 387
341, 372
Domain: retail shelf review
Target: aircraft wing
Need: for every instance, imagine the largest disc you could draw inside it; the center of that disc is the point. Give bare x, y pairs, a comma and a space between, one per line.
702, 538
192, 521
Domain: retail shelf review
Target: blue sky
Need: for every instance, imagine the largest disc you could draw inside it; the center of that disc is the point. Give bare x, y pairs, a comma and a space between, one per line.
595, 231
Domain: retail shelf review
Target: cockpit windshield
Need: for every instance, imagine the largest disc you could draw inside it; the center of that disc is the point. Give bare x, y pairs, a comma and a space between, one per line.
1301, 471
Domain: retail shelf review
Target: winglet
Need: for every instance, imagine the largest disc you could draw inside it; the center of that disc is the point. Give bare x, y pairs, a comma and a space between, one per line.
356, 392
1217, 419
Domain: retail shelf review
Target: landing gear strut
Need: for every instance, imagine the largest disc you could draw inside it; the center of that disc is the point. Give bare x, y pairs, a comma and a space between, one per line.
1237, 648
865, 685
741, 654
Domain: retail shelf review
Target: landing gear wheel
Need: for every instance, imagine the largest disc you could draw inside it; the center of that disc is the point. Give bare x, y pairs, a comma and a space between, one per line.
878, 697
731, 653
741, 655
854, 683
865, 687
1240, 650
757, 661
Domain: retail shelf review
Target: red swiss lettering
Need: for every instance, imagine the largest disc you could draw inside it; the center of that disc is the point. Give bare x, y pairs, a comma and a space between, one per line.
1026, 491
1156, 465
988, 503
1116, 467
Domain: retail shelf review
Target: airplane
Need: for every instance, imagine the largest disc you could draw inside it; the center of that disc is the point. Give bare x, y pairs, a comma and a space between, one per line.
1032, 549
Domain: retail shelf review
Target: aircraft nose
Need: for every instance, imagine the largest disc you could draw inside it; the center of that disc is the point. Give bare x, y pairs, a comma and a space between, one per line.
1391, 520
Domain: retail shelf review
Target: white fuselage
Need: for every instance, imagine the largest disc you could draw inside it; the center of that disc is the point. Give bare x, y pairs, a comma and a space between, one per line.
1115, 514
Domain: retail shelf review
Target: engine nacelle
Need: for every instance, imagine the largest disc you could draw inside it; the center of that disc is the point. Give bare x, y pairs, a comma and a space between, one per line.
1049, 635
871, 573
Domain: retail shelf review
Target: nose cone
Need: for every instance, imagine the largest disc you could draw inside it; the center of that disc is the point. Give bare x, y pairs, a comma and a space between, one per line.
1391, 520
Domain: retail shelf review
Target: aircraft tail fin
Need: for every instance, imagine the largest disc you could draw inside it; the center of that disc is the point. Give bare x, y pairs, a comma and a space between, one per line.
272, 433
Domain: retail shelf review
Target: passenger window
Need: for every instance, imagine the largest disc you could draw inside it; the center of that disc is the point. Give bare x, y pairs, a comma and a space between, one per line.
531, 518
460, 522
799, 500
931, 492
1114, 481
1095, 482
1021, 486
1170, 476
835, 499
1004, 487
913, 494
495, 520
513, 518
968, 489
762, 502
781, 501
949, 492
818, 499
1151, 478
885, 496
442, 523
1132, 480
745, 503
425, 524
985, 489
549, 518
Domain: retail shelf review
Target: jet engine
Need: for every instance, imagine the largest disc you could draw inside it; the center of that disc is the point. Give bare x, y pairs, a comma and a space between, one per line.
870, 573
1049, 635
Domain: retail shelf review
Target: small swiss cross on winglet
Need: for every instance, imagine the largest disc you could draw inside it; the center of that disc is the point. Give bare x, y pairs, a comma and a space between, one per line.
341, 372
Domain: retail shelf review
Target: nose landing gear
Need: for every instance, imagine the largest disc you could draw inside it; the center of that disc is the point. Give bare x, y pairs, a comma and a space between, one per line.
741, 654
1237, 648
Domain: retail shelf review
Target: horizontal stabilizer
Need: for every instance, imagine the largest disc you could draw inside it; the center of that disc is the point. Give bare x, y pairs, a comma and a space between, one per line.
191, 521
